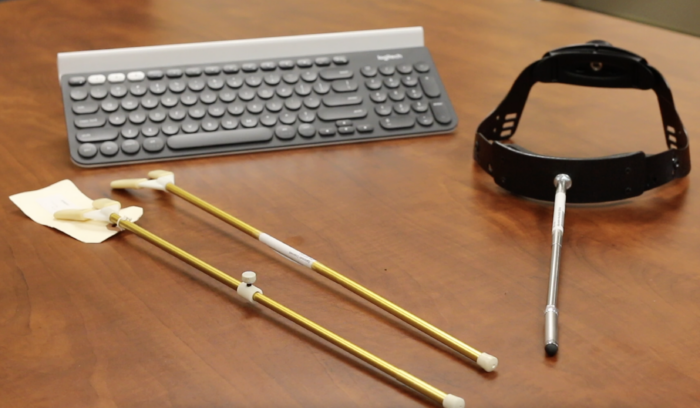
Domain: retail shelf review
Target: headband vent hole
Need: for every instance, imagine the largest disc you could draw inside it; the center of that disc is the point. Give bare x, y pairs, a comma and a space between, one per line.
671, 139
672, 146
506, 132
511, 116
671, 130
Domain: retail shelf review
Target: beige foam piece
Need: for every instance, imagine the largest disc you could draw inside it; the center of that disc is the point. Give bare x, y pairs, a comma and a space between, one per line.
127, 183
159, 173
40, 206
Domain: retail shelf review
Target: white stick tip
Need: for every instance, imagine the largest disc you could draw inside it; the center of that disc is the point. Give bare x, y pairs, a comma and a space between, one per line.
453, 401
127, 183
159, 173
487, 362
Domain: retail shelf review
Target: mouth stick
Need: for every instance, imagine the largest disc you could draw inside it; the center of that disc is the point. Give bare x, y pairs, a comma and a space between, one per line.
165, 181
255, 295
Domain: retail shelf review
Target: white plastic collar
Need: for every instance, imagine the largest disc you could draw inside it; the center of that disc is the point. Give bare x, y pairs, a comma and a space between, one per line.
159, 183
246, 289
103, 213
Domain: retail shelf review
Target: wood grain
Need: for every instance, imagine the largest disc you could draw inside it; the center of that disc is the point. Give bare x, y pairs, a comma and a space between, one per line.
121, 324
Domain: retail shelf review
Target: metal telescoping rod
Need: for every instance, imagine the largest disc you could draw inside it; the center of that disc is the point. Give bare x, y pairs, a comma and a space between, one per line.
164, 180
562, 182
447, 400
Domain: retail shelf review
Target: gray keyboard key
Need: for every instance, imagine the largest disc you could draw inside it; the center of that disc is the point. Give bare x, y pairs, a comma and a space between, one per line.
348, 112
442, 115
255, 107
341, 123
342, 100
306, 130
391, 82
397, 95
364, 128
231, 68
216, 111
268, 119
387, 70
150, 130
284, 132
404, 68
194, 71
130, 146
130, 132
272, 79
98, 92
154, 74
274, 105
312, 102
419, 106
268, 66
291, 78
78, 94
246, 94
197, 112
302, 89
346, 130
208, 97
307, 116
293, 103
254, 80
76, 80
397, 122
383, 109
321, 88
130, 103
414, 93
429, 85
227, 95
169, 100
421, 66
266, 93
402, 108
236, 108
249, 121
226, 137
177, 113
378, 96
304, 62
425, 119
170, 129
109, 105
340, 60
215, 83
229, 123
87, 150
368, 71
309, 76
137, 117
149, 102
109, 148
212, 70
117, 118
409, 81
288, 118
118, 91
190, 127
177, 86
345, 85
90, 122
286, 64
157, 115
323, 61
249, 67
284, 91
96, 135
173, 73
336, 73
138, 89
188, 99
196, 84
154, 144
157, 87
82, 108
326, 131
210, 125
234, 82
373, 84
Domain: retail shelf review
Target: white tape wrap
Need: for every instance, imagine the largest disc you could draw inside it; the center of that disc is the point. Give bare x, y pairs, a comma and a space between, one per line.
287, 251
559, 210
248, 291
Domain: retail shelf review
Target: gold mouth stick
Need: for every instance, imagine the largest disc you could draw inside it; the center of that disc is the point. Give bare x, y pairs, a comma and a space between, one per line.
165, 181
105, 209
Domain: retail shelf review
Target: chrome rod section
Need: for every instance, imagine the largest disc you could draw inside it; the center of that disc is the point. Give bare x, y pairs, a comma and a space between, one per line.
551, 314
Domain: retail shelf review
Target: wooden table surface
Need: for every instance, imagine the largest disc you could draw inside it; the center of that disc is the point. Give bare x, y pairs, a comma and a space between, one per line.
122, 324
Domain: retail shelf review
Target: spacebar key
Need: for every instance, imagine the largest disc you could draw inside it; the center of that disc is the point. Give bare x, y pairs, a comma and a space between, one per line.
219, 138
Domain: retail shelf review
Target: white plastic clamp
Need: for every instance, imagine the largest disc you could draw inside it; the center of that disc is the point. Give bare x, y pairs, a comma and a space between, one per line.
246, 289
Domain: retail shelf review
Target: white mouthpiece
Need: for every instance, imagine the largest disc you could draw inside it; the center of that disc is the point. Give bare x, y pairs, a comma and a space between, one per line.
487, 362
453, 401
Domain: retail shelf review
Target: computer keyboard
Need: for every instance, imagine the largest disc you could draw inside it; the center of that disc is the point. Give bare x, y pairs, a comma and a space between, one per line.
180, 101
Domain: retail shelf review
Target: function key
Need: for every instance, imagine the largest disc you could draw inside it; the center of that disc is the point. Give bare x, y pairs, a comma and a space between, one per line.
231, 68
76, 81
116, 77
249, 67
340, 60
421, 66
368, 71
96, 79
323, 61
304, 63
154, 74
286, 64
268, 66
135, 76
387, 69
212, 70
193, 71
174, 73
404, 68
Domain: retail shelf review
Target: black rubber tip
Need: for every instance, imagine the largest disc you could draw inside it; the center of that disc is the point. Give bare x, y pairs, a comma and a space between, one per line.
551, 349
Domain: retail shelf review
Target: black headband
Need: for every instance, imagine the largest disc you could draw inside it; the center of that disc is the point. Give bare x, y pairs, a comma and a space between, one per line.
609, 178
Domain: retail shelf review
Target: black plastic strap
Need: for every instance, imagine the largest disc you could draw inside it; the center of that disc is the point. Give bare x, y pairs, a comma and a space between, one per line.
597, 179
